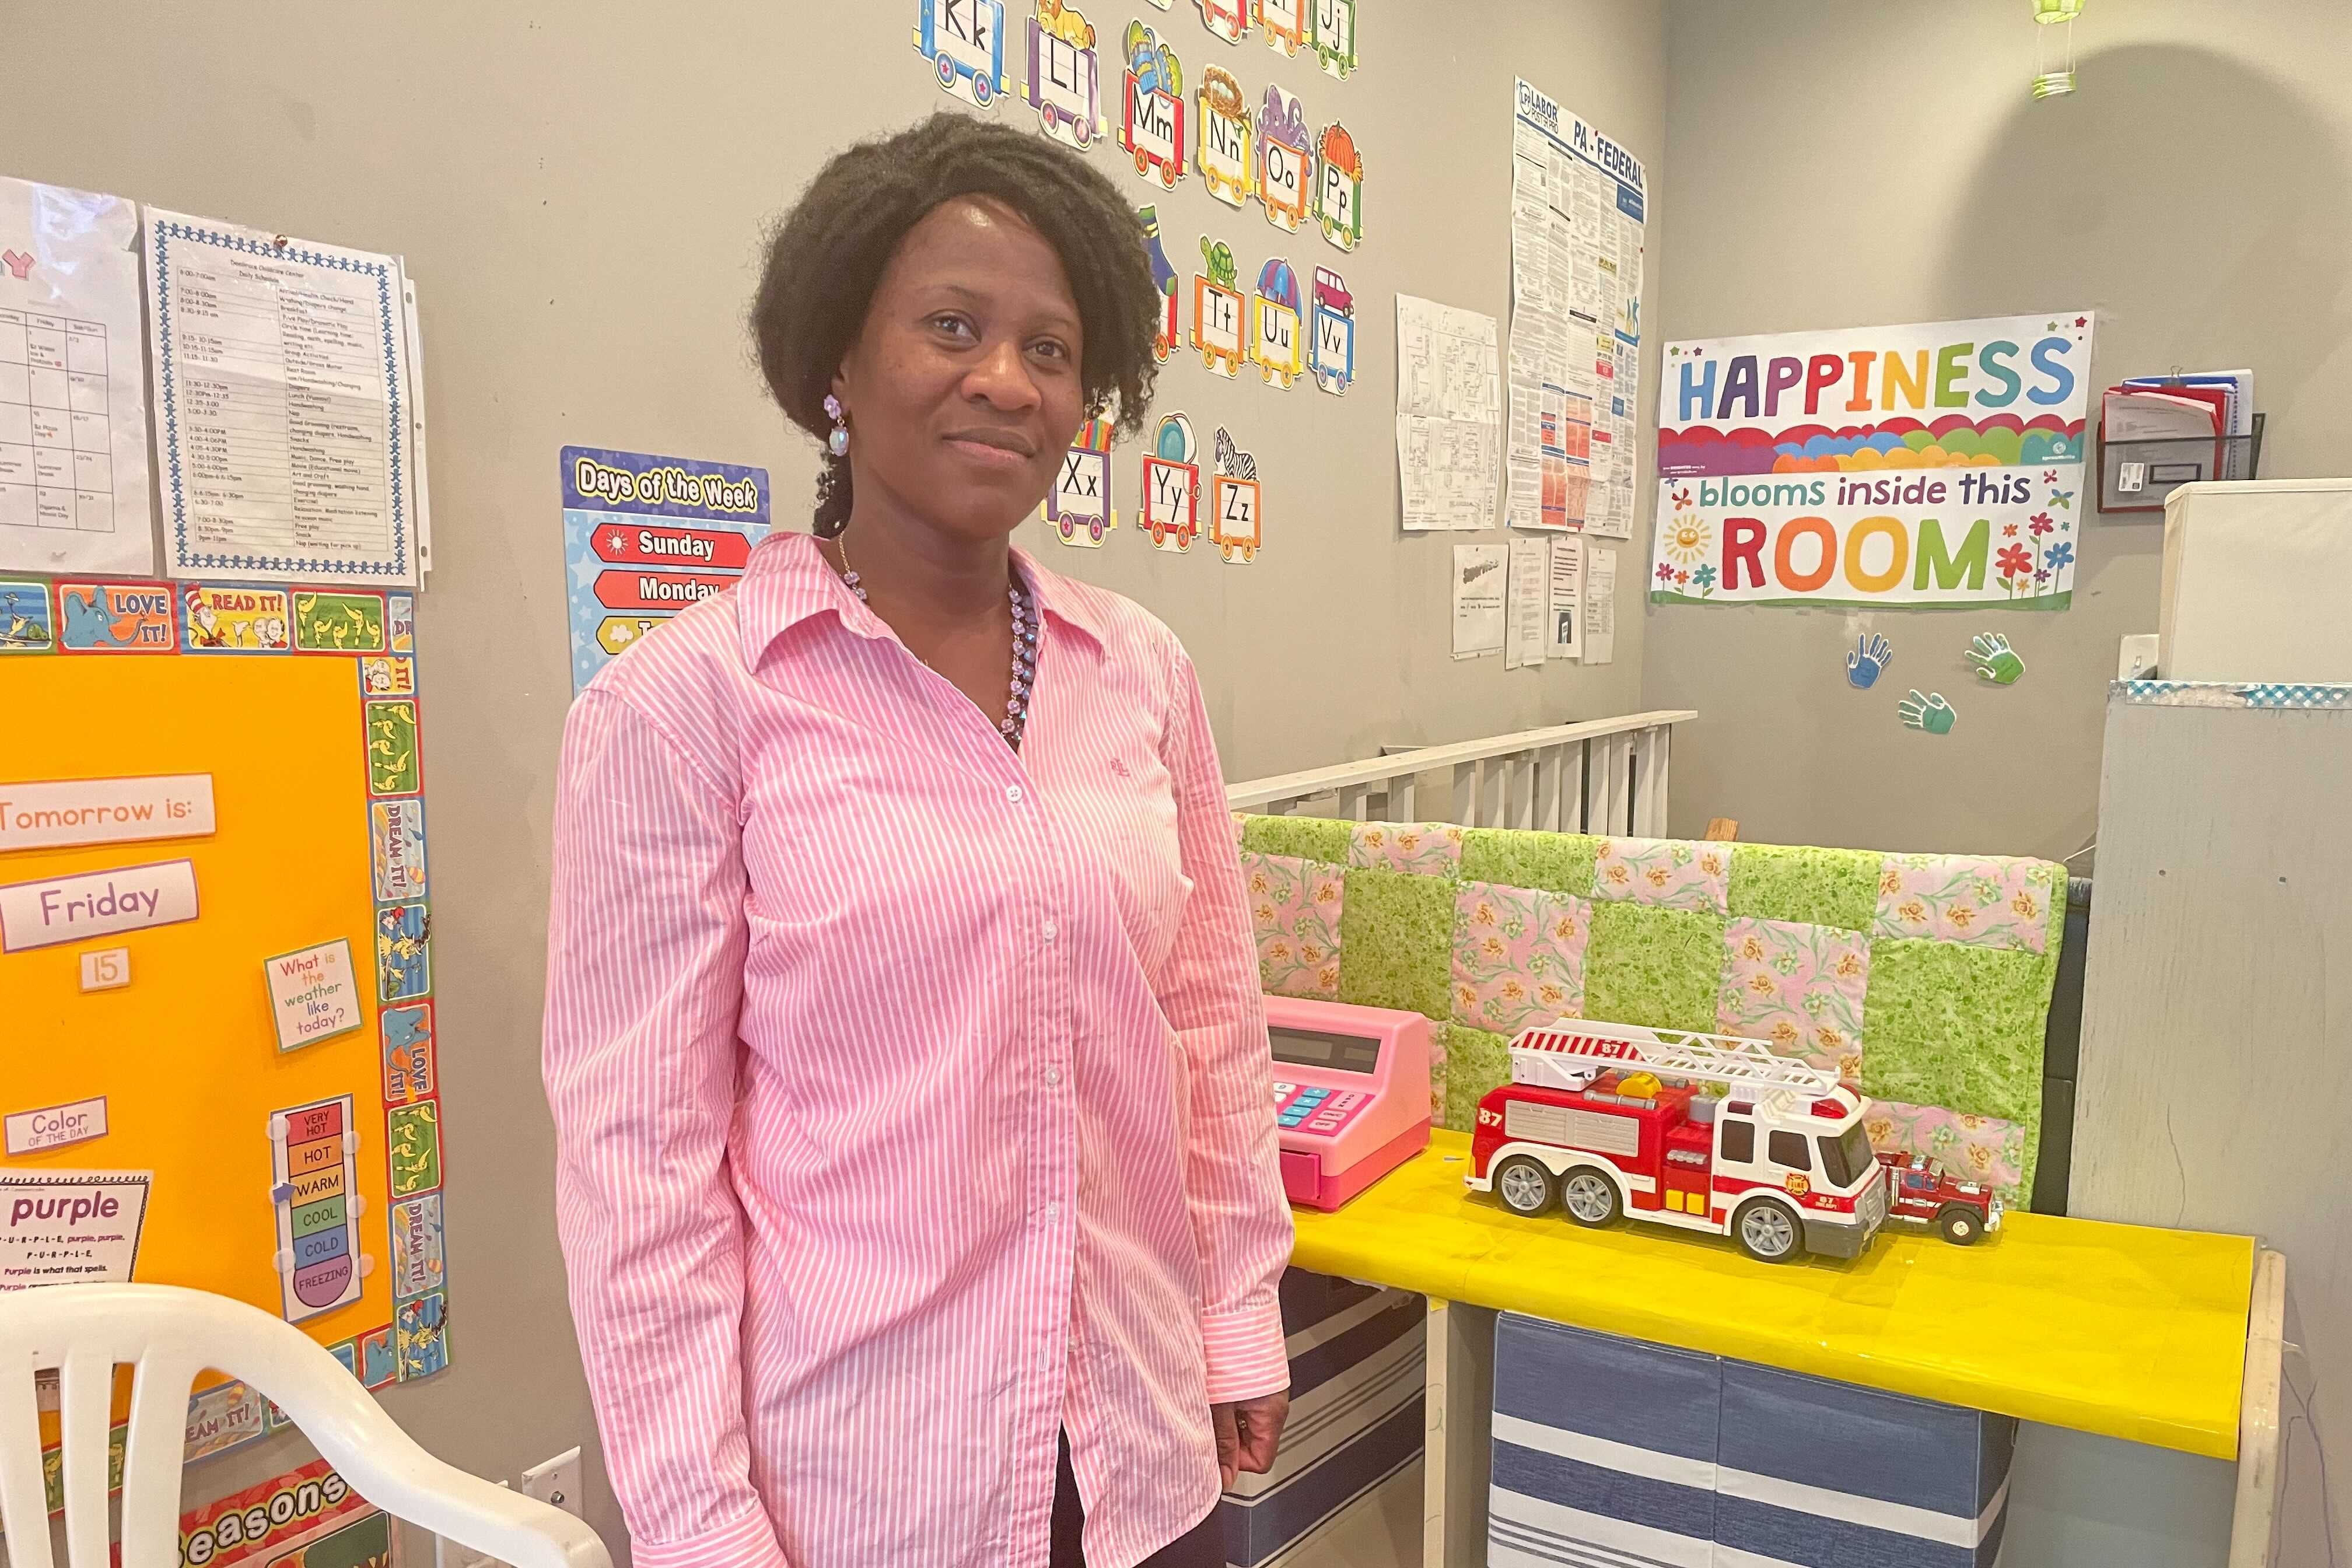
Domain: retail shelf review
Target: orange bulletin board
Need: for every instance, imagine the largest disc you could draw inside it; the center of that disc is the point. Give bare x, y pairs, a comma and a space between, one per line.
269, 1060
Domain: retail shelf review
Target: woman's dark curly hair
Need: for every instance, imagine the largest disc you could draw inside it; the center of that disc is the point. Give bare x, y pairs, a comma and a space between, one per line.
828, 253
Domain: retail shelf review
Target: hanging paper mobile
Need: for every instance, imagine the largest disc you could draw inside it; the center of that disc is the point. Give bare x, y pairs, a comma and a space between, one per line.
964, 41
1218, 310
1283, 162
1163, 278
1233, 516
1078, 506
1286, 23
1229, 19
1226, 136
1064, 85
1339, 193
1273, 325
1151, 122
1172, 486
1332, 34
1331, 340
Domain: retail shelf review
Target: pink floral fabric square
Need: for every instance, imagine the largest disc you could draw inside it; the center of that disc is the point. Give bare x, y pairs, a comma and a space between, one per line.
1295, 909
1518, 956
1423, 848
1672, 872
1988, 900
1799, 988
1973, 1148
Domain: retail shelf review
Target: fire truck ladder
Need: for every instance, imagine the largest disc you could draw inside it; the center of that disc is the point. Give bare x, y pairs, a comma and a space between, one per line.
1567, 1055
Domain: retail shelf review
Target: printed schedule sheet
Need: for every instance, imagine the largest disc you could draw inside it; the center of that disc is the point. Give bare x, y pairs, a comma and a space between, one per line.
283, 406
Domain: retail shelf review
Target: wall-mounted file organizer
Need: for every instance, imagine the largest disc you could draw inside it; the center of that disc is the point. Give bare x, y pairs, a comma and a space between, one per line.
2135, 476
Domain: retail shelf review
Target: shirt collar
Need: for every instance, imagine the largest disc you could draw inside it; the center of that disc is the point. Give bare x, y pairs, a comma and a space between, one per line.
788, 581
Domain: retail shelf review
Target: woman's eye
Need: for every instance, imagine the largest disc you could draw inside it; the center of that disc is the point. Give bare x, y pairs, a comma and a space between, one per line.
1051, 348
952, 325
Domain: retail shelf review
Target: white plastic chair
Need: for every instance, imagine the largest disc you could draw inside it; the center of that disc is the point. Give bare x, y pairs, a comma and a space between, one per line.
170, 1335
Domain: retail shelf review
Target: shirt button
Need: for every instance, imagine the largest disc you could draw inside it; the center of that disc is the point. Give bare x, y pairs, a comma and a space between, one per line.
1052, 931
1053, 1213
1012, 795
1053, 1077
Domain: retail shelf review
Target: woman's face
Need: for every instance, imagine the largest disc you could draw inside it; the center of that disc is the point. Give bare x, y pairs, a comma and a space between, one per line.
962, 391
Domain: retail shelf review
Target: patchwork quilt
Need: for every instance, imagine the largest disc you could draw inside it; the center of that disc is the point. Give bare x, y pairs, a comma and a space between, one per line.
1922, 979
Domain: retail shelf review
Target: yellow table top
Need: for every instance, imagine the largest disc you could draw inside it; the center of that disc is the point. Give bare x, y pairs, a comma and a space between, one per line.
2127, 1331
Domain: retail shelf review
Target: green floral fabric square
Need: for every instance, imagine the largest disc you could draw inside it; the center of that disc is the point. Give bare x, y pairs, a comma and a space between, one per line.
1818, 886
1476, 1063
1956, 1026
1659, 967
1397, 930
1554, 862
1310, 838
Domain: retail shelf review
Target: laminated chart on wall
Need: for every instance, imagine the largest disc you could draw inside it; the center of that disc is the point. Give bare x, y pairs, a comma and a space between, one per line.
645, 537
1579, 211
1933, 463
285, 413
216, 902
73, 387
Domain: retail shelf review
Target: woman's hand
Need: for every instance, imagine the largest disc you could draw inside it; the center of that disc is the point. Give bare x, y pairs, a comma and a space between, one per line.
1248, 1433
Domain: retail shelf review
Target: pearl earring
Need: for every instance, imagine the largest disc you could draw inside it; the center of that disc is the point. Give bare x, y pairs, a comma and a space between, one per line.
838, 441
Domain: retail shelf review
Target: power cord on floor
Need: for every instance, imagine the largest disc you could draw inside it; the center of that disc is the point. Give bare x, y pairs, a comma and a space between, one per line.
2303, 1400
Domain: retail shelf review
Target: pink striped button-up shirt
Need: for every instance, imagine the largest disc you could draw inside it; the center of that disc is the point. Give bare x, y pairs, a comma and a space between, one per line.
912, 1096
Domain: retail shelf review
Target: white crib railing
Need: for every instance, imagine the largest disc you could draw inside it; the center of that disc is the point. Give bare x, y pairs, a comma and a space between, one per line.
1602, 775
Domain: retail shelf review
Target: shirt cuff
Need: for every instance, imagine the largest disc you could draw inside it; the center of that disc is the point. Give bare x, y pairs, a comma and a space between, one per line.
749, 1543
1245, 1351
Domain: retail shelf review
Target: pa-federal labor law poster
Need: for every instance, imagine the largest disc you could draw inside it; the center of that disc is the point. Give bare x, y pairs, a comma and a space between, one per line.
1930, 464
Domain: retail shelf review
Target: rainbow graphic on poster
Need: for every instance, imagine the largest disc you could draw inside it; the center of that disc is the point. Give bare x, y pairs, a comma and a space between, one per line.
1937, 464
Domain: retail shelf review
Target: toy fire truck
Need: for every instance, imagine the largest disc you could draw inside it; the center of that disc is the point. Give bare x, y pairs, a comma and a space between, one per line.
1708, 1132
1919, 1189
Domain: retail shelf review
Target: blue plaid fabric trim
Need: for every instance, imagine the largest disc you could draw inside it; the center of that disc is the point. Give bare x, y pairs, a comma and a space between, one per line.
2230, 694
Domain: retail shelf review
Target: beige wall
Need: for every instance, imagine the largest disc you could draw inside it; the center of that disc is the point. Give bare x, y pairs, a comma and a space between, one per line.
1850, 163
579, 190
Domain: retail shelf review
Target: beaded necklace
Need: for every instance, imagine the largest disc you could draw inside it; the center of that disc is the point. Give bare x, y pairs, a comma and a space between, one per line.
1025, 645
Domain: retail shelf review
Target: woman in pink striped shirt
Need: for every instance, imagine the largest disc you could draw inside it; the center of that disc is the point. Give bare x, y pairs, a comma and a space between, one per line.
916, 1171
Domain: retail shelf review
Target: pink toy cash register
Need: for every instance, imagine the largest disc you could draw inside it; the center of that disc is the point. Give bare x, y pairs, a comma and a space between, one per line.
1350, 1093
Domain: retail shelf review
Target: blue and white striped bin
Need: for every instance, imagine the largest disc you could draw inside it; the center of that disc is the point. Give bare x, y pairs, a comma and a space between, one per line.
1612, 1453
1358, 1358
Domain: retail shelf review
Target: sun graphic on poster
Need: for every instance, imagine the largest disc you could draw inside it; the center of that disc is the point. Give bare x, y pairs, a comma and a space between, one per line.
1687, 539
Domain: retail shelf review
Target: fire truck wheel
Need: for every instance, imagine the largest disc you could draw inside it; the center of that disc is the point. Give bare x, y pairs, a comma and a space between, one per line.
1589, 1197
1524, 1186
1769, 1232
1961, 1226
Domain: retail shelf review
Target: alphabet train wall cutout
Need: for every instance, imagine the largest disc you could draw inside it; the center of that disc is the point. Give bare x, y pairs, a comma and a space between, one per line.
1065, 80
964, 41
1151, 117
1078, 506
1274, 338
1228, 19
1219, 312
1226, 134
1163, 278
1236, 522
1331, 333
1284, 160
1172, 486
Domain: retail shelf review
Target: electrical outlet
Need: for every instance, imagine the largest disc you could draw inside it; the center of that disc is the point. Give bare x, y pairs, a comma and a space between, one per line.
556, 1480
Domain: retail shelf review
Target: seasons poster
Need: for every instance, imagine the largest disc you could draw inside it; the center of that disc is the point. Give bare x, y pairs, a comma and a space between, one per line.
1930, 464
